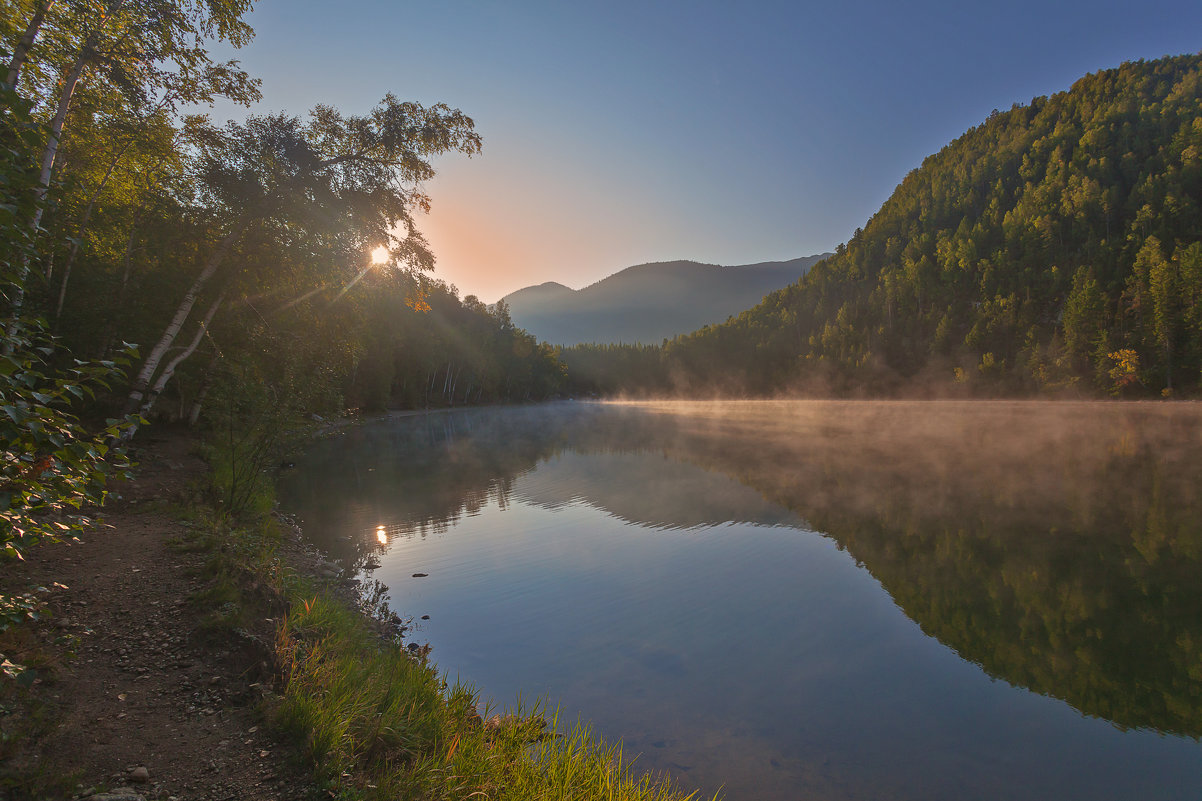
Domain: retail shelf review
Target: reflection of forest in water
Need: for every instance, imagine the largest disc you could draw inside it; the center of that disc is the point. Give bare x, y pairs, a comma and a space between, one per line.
1058, 546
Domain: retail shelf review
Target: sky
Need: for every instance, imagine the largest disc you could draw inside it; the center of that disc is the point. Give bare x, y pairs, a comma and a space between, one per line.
618, 133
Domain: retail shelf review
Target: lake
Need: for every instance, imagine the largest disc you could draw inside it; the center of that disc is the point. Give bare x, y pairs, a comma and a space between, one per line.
805, 599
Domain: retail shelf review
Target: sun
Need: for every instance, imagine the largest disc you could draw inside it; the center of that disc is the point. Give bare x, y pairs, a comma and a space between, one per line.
379, 255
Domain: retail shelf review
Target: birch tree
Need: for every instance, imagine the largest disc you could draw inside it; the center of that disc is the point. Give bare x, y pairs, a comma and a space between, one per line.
150, 51
343, 184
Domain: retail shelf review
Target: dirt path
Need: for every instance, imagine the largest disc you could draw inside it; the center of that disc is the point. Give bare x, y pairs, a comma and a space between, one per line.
149, 702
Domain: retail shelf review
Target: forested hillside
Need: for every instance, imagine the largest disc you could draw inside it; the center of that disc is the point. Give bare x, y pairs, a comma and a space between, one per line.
1055, 247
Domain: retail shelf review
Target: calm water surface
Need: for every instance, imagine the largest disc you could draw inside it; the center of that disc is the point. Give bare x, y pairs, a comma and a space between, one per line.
807, 600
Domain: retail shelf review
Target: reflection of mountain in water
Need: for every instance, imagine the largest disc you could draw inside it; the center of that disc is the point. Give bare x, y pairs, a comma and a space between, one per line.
419, 475
648, 489
1058, 546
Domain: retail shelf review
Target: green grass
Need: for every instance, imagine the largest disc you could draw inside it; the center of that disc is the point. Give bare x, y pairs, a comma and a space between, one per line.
375, 721
379, 723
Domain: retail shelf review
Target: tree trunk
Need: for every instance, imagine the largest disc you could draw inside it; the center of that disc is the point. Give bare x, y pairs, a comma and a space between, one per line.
56, 129
56, 125
1168, 364
142, 381
71, 80
21, 51
169, 370
198, 404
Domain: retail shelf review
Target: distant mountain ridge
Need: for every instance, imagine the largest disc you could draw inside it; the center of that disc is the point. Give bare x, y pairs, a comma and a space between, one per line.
649, 303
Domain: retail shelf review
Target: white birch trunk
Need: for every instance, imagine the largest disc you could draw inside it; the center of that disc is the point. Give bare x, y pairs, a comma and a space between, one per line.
151, 365
86, 52
169, 370
56, 130
21, 51
198, 404
56, 125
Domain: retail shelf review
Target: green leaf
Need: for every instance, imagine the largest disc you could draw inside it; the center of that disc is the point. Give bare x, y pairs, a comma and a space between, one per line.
26, 678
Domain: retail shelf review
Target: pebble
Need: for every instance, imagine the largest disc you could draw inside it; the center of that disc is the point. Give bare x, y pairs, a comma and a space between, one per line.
119, 794
140, 774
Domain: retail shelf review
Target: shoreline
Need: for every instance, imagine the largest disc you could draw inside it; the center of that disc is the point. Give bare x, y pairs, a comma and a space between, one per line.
140, 694
184, 659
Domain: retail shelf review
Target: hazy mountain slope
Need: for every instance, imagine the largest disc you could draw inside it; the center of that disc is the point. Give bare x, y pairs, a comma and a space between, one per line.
649, 302
1056, 244
549, 293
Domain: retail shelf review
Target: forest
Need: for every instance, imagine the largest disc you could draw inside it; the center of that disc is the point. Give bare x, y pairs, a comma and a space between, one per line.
1055, 249
157, 265
278, 250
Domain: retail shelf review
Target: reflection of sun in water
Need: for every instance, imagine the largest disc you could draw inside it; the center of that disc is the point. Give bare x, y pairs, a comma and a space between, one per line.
381, 535
379, 255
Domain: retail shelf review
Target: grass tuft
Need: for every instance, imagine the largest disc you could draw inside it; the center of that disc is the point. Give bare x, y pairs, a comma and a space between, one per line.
376, 721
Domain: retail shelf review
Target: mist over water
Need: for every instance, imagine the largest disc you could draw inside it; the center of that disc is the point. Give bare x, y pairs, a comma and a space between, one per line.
808, 599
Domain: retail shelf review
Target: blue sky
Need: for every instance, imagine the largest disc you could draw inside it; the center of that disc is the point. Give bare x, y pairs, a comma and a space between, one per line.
617, 133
